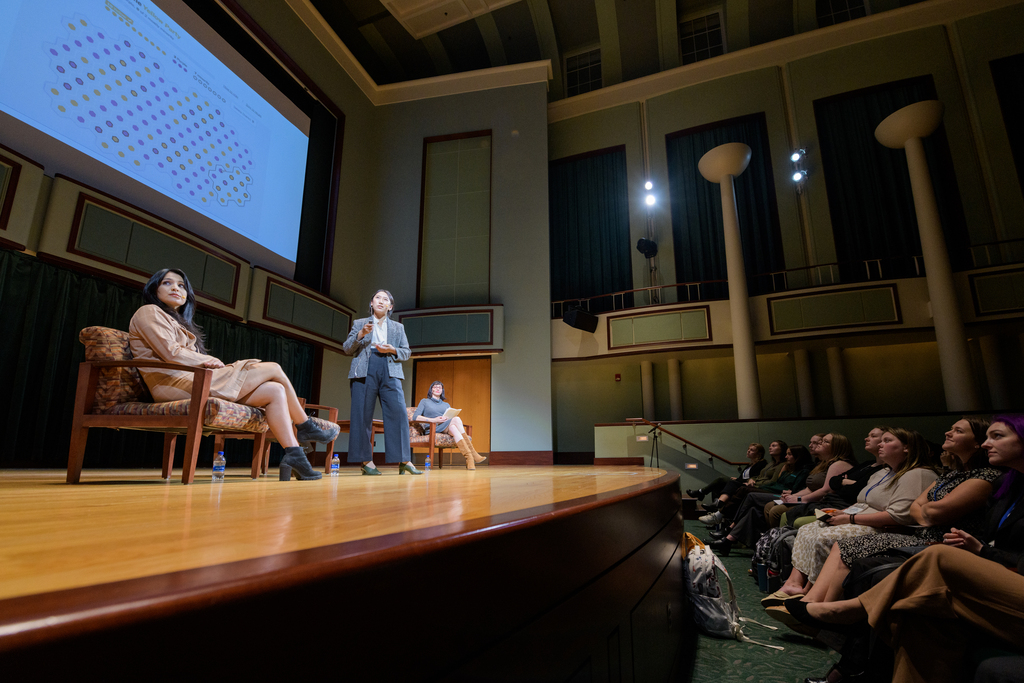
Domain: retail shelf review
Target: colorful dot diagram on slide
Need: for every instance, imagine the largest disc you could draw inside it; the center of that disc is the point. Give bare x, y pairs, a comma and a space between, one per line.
123, 83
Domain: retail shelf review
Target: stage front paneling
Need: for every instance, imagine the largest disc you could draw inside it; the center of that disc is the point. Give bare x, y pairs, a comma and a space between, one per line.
565, 573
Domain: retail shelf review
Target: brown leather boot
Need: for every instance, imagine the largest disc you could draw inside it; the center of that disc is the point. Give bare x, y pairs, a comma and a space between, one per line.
476, 456
465, 449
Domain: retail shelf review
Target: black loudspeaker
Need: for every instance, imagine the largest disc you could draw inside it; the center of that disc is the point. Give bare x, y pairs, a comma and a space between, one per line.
580, 319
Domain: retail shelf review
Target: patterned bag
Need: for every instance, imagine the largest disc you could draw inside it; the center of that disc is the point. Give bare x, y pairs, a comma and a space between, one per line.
715, 611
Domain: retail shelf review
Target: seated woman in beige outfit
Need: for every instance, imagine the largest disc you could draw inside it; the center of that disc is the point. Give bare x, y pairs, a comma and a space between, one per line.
163, 330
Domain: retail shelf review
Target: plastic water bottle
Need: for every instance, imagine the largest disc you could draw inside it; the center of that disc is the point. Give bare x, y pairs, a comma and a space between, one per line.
335, 465
426, 464
219, 463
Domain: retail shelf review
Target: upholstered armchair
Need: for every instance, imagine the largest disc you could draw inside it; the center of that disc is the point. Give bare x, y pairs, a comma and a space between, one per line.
111, 394
430, 439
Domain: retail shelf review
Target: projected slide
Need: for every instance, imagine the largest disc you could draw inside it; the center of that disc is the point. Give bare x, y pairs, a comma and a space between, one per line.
121, 82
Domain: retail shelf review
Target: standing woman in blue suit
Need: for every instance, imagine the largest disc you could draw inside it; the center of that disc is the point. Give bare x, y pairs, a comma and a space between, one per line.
379, 346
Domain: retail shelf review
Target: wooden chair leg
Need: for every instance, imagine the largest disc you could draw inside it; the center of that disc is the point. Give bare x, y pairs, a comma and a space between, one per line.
76, 453
170, 440
79, 434
266, 454
257, 454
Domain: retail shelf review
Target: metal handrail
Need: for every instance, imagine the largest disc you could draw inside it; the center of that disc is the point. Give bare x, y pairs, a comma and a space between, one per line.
657, 425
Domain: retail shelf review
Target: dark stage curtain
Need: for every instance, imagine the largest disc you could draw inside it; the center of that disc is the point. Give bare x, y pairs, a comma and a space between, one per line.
697, 207
1008, 76
868, 185
43, 308
589, 227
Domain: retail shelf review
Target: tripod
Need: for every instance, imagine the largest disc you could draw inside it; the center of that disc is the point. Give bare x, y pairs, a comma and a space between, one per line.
655, 453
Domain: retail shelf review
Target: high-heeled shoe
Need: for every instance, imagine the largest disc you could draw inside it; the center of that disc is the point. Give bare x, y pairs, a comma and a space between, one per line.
371, 471
295, 462
404, 467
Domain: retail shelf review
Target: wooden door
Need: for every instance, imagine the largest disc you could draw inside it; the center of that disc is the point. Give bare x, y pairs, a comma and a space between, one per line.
467, 385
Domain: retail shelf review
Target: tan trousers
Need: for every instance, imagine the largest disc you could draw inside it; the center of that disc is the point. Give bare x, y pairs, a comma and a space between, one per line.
927, 608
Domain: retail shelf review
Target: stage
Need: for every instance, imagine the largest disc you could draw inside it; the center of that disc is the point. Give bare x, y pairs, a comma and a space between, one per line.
505, 573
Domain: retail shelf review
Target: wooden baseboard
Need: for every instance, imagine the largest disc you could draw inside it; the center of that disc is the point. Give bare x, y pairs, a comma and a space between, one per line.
522, 458
630, 462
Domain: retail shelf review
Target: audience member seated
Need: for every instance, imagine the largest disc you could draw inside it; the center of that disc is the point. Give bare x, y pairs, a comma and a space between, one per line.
884, 502
749, 518
940, 601
835, 457
958, 497
845, 486
723, 487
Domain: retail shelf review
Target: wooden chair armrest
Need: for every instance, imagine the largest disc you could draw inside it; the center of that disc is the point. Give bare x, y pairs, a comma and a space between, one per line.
145, 364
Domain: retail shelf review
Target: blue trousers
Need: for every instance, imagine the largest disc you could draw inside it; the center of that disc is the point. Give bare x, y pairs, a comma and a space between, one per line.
365, 392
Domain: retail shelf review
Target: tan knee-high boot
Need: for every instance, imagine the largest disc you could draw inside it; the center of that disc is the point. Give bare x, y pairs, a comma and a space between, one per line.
464, 448
476, 456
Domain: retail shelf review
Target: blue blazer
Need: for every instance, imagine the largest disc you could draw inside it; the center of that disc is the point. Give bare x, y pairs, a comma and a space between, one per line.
362, 348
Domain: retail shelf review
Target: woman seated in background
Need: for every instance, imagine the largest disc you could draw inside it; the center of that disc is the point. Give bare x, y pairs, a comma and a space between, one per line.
835, 457
163, 329
885, 502
755, 454
845, 486
958, 497
432, 409
932, 608
748, 526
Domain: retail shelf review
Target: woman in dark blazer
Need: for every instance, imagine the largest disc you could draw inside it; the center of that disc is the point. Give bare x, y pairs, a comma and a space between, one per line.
379, 345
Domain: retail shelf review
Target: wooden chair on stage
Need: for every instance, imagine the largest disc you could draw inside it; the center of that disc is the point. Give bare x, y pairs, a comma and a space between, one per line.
111, 394
332, 417
432, 440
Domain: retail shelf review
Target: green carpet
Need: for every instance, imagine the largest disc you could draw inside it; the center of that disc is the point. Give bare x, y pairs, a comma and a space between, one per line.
718, 660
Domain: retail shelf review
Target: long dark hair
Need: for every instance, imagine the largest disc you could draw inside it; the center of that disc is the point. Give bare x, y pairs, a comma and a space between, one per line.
430, 391
801, 458
919, 455
185, 312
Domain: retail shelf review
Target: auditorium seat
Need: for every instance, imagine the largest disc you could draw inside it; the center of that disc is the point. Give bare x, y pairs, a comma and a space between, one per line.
111, 394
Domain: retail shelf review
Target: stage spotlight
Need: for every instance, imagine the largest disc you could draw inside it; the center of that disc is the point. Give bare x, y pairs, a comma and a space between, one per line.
799, 176
650, 200
797, 155
648, 185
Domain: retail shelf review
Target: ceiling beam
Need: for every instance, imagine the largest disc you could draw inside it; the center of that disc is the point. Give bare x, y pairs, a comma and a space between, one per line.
611, 57
545, 29
492, 39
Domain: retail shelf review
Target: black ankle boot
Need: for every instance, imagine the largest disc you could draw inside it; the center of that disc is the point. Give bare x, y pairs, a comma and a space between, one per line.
722, 546
295, 462
315, 429
698, 493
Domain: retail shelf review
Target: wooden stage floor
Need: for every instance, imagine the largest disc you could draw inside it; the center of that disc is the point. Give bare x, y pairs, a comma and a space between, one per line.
126, 547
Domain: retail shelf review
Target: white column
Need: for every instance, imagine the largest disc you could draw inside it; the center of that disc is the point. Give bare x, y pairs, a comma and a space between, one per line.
675, 389
647, 388
804, 382
838, 378
994, 372
721, 165
904, 129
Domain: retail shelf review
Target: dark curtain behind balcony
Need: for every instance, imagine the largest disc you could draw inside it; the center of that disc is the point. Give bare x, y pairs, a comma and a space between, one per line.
1008, 76
589, 226
42, 310
697, 207
868, 185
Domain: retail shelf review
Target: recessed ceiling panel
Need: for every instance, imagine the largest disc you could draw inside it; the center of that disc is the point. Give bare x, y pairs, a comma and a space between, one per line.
410, 52
518, 35
425, 17
465, 47
575, 24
